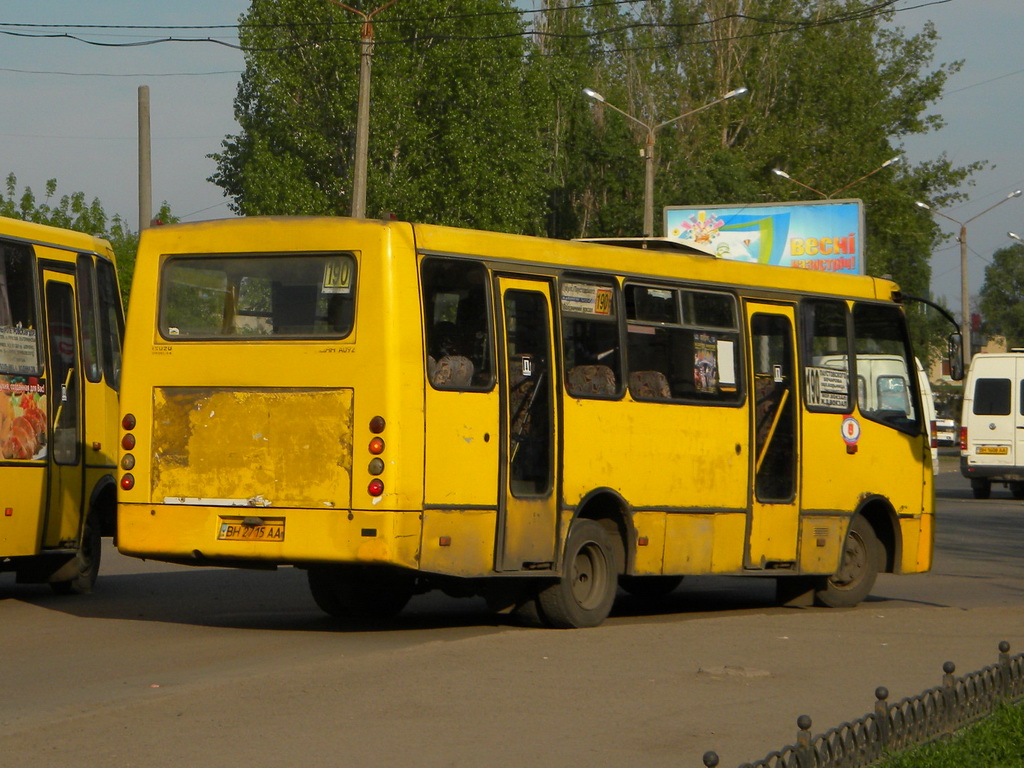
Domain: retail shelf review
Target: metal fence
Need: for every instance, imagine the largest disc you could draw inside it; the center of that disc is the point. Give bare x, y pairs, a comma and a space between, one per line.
929, 716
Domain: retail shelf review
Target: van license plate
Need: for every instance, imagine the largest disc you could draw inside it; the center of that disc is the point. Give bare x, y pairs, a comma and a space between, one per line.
235, 530
997, 450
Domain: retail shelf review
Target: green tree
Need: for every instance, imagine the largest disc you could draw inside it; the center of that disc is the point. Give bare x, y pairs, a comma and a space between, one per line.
1002, 295
75, 212
452, 136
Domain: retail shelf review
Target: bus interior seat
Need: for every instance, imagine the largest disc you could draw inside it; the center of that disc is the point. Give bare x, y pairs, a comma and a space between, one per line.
649, 385
591, 380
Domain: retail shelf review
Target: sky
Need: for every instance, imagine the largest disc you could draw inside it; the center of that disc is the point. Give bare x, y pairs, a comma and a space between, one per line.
71, 109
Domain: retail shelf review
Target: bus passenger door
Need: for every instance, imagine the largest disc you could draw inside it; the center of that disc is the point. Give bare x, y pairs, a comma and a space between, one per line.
527, 520
63, 400
773, 527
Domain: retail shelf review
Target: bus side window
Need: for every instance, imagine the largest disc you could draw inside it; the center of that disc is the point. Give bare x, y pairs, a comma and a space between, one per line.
456, 325
87, 311
111, 320
590, 339
826, 356
19, 343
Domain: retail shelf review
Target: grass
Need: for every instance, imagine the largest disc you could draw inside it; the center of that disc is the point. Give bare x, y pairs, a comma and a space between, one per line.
995, 742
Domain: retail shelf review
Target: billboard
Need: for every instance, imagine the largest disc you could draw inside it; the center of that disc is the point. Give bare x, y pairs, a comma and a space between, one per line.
823, 235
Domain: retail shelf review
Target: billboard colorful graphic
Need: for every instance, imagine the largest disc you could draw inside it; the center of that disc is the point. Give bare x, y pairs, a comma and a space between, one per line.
821, 235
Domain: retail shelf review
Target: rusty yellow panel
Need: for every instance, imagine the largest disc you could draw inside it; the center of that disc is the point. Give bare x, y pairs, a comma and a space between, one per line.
821, 543
459, 542
688, 543
261, 447
729, 538
650, 558
309, 535
24, 495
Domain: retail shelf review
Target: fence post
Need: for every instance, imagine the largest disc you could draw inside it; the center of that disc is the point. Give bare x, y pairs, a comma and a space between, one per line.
949, 697
882, 716
1004, 670
804, 753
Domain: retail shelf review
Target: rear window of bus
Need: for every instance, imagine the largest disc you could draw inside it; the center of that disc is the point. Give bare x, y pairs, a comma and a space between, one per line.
268, 296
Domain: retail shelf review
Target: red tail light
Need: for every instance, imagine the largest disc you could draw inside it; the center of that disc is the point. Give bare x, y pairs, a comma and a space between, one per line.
963, 438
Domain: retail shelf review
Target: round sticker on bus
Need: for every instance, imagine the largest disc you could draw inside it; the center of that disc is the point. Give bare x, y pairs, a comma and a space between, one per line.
851, 430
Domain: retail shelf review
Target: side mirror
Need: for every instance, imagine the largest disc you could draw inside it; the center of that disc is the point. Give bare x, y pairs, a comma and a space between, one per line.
956, 357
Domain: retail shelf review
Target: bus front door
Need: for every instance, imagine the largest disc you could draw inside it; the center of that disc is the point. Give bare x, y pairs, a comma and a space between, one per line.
527, 520
63, 397
773, 524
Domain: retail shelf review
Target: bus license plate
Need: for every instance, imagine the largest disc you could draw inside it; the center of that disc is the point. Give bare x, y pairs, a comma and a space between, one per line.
997, 450
236, 530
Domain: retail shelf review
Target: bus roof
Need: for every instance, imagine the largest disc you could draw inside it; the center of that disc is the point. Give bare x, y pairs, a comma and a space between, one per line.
277, 233
44, 234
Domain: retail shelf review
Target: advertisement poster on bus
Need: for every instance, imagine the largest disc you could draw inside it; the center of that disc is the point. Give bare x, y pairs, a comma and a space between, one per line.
22, 418
821, 235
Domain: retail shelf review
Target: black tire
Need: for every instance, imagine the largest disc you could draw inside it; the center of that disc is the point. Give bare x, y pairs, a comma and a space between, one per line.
361, 592
1017, 489
863, 558
87, 561
584, 595
650, 587
981, 488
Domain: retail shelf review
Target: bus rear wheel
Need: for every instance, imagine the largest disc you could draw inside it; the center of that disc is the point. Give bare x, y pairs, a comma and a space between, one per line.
981, 487
583, 597
861, 562
361, 591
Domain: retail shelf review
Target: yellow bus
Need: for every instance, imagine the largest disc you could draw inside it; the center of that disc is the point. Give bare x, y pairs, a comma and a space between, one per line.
398, 408
61, 326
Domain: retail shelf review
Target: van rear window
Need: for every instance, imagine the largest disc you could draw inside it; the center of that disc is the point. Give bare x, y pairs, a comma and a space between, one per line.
992, 397
265, 296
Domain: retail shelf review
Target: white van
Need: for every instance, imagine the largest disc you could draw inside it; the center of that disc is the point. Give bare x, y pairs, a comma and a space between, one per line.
883, 384
992, 424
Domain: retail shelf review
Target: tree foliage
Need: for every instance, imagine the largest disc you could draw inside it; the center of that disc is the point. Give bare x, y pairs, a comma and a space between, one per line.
1002, 295
478, 116
77, 213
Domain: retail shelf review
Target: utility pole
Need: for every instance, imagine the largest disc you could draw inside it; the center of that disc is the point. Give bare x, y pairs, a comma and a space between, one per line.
363, 109
145, 162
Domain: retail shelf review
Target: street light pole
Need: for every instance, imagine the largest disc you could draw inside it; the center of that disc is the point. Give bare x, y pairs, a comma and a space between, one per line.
783, 174
965, 319
363, 107
648, 150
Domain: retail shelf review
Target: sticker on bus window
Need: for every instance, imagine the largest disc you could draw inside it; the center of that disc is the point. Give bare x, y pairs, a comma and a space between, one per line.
827, 387
705, 362
337, 276
18, 350
587, 299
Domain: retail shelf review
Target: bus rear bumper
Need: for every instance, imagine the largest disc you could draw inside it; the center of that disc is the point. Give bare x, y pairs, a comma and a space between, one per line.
267, 537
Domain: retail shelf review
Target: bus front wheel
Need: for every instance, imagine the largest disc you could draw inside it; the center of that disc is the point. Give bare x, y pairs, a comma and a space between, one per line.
584, 595
862, 560
361, 592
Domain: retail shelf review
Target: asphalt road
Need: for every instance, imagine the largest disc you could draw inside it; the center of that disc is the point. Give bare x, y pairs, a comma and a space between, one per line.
169, 666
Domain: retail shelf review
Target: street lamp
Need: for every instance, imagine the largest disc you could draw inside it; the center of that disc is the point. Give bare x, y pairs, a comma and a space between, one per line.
962, 238
648, 151
886, 164
1016, 237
